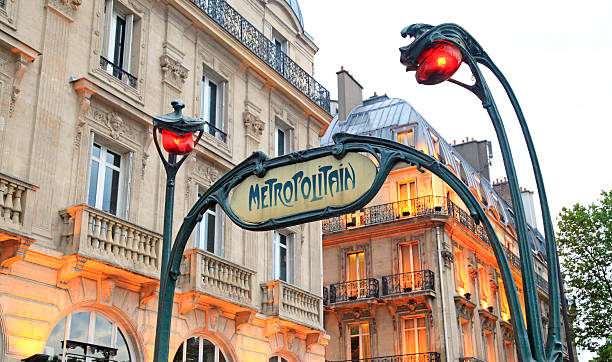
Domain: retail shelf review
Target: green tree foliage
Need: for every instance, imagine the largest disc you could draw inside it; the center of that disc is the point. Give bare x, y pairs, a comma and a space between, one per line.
585, 247
604, 354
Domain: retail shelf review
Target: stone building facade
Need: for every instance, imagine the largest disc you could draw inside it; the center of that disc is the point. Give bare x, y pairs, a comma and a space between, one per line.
410, 277
82, 188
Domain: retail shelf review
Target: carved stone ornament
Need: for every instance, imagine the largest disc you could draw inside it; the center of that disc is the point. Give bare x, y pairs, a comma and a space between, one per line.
253, 125
507, 332
106, 289
173, 72
473, 271
487, 320
66, 8
213, 318
465, 308
448, 258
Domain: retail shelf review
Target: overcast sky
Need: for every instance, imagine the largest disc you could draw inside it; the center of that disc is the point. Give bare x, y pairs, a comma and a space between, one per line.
557, 56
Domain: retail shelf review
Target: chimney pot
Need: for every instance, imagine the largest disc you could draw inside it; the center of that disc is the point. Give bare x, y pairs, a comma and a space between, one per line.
342, 67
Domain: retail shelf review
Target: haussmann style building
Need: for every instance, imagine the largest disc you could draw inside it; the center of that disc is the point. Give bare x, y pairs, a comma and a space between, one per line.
82, 187
410, 277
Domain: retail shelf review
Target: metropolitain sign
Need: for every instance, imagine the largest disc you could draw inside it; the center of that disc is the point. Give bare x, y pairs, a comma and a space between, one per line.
302, 187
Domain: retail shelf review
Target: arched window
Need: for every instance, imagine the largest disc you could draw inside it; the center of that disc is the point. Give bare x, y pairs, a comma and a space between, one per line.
277, 359
199, 349
87, 336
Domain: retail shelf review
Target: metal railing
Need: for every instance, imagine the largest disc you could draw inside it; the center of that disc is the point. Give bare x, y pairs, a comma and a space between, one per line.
215, 132
118, 73
467, 221
512, 258
415, 357
378, 214
246, 33
353, 290
542, 283
89, 352
407, 282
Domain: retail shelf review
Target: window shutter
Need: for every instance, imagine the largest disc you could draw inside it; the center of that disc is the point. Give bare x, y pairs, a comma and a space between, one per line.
291, 254
106, 27
127, 173
220, 222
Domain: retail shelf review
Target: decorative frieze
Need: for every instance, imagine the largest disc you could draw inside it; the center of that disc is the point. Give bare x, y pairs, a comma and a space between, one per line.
487, 320
65, 8
465, 308
254, 126
174, 73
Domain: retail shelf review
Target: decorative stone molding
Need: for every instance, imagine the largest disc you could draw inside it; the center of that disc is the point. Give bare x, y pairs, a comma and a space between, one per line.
465, 308
71, 268
84, 90
312, 339
148, 292
189, 302
254, 126
107, 286
23, 59
65, 8
174, 73
243, 318
12, 250
473, 271
507, 332
213, 318
113, 122
487, 320
448, 258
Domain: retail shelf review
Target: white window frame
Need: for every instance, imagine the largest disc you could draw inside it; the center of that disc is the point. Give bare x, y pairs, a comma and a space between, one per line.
108, 36
90, 332
289, 247
288, 134
406, 132
218, 351
124, 178
202, 228
416, 328
205, 96
360, 335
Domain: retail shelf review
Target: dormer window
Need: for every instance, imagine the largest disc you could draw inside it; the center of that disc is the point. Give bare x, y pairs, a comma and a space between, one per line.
406, 137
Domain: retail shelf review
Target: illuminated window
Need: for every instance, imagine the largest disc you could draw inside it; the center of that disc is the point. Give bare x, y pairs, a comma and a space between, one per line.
490, 346
485, 288
460, 272
466, 335
355, 275
509, 346
415, 335
198, 349
406, 195
410, 262
209, 231
108, 180
406, 137
283, 256
88, 336
359, 341
211, 105
436, 146
505, 310
277, 359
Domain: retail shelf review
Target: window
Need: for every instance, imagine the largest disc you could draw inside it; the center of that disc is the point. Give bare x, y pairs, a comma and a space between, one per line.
89, 336
406, 195
409, 263
209, 231
281, 47
355, 275
490, 346
283, 256
282, 141
117, 41
505, 309
509, 346
198, 349
415, 335
277, 359
211, 109
460, 272
359, 341
108, 181
406, 137
484, 286
436, 145
466, 335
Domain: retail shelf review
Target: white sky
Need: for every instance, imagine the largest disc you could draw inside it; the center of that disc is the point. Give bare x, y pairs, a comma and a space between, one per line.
557, 56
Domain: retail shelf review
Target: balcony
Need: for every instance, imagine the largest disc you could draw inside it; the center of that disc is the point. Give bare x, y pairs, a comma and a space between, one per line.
416, 357
15, 206
210, 274
353, 290
470, 359
379, 214
289, 302
542, 283
98, 235
254, 40
513, 259
418, 281
118, 72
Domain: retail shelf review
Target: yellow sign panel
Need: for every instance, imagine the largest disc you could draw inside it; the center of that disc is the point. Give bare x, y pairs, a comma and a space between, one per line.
303, 186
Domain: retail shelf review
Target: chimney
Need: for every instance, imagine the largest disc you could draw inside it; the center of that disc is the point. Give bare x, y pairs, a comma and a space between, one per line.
349, 94
528, 204
477, 154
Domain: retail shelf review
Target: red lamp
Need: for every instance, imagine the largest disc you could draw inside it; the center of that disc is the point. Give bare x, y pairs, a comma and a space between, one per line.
176, 144
438, 63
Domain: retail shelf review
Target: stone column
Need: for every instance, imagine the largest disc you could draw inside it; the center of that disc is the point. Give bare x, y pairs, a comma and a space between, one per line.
52, 87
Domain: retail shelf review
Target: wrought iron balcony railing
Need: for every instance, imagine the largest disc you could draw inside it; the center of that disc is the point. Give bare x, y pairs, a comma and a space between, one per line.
378, 214
118, 73
407, 282
470, 359
215, 132
415, 357
325, 296
512, 258
353, 290
82, 351
467, 221
246, 33
542, 283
